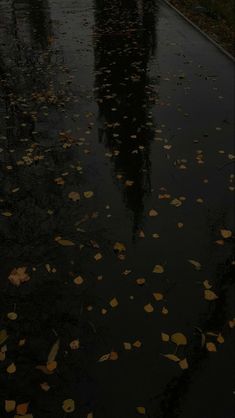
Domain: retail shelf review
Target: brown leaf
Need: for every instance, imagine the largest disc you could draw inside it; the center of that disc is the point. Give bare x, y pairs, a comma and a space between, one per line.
141, 410
98, 256
10, 406
196, 264
183, 364
148, 308
53, 352
64, 242
165, 337
3, 336
178, 338
51, 365
88, 194
113, 356
22, 408
153, 213
74, 345
158, 269
11, 369
226, 233
119, 247
113, 303
74, 196
78, 280
68, 406
172, 357
140, 281
158, 296
18, 276
105, 357
210, 295
211, 347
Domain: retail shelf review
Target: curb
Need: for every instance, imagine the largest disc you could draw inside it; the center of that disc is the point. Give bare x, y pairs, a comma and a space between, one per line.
218, 46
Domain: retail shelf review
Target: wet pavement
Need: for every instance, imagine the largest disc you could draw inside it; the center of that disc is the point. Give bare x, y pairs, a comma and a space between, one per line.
116, 217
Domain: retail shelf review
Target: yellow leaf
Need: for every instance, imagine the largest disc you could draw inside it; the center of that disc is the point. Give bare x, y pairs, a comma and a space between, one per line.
220, 339
54, 351
196, 264
119, 246
7, 214
78, 280
105, 357
127, 346
178, 338
176, 202
158, 269
209, 295
18, 276
3, 336
10, 406
137, 344
158, 296
141, 410
11, 369
88, 194
68, 405
113, 303
165, 337
153, 212
172, 357
206, 284
12, 316
226, 233
75, 196
211, 347
148, 308
164, 310
98, 256
183, 364
51, 366
140, 281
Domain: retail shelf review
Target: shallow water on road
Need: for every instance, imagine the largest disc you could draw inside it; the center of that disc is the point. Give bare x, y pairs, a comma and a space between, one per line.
116, 216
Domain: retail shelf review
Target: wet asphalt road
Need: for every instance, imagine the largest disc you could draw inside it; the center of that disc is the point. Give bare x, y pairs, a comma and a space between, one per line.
126, 101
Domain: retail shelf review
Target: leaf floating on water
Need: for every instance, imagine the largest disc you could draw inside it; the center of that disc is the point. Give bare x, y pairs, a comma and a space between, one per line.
153, 213
196, 264
226, 233
74, 196
105, 357
211, 347
141, 410
68, 406
114, 303
158, 269
172, 357
165, 337
11, 369
119, 247
210, 295
88, 194
54, 351
183, 364
3, 336
18, 276
178, 338
148, 308
10, 406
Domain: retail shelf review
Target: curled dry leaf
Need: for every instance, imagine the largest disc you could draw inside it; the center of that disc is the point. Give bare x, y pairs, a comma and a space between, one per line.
18, 276
226, 233
178, 338
210, 295
68, 406
158, 269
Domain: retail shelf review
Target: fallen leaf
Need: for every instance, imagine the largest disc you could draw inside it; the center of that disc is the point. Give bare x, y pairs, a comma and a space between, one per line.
158, 269
164, 310
180, 225
178, 338
206, 284
78, 280
68, 405
105, 357
172, 357
3, 336
51, 365
226, 233
176, 202
7, 214
74, 196
137, 344
119, 246
153, 213
158, 296
113, 303
113, 356
22, 408
98, 256
64, 242
88, 194
211, 347
196, 264
127, 346
231, 323
12, 316
45, 386
129, 183
210, 295
141, 410
11, 369
183, 364
148, 308
165, 337
10, 406
220, 339
18, 276
53, 352
140, 281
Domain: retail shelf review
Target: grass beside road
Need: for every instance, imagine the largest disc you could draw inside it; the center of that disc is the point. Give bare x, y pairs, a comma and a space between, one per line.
215, 17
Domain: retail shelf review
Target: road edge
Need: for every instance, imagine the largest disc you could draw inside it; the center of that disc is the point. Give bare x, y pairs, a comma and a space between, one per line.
223, 50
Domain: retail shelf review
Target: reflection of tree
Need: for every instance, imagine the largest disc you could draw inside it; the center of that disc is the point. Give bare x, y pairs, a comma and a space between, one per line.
124, 41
